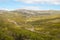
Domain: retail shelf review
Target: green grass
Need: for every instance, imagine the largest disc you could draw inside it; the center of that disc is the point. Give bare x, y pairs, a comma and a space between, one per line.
10, 31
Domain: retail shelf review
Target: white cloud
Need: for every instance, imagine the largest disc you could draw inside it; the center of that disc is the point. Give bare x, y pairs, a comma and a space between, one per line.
6, 9
31, 7
57, 2
3, 9
41, 1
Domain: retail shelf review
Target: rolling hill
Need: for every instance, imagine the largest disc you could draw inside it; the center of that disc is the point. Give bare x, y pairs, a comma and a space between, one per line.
30, 25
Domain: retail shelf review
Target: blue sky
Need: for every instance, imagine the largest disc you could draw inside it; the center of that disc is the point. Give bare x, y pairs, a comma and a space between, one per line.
30, 4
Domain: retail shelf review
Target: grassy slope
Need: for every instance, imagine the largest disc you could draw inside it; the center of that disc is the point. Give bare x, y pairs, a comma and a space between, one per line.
12, 27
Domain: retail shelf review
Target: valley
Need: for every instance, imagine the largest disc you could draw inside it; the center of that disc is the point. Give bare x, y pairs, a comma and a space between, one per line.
29, 25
